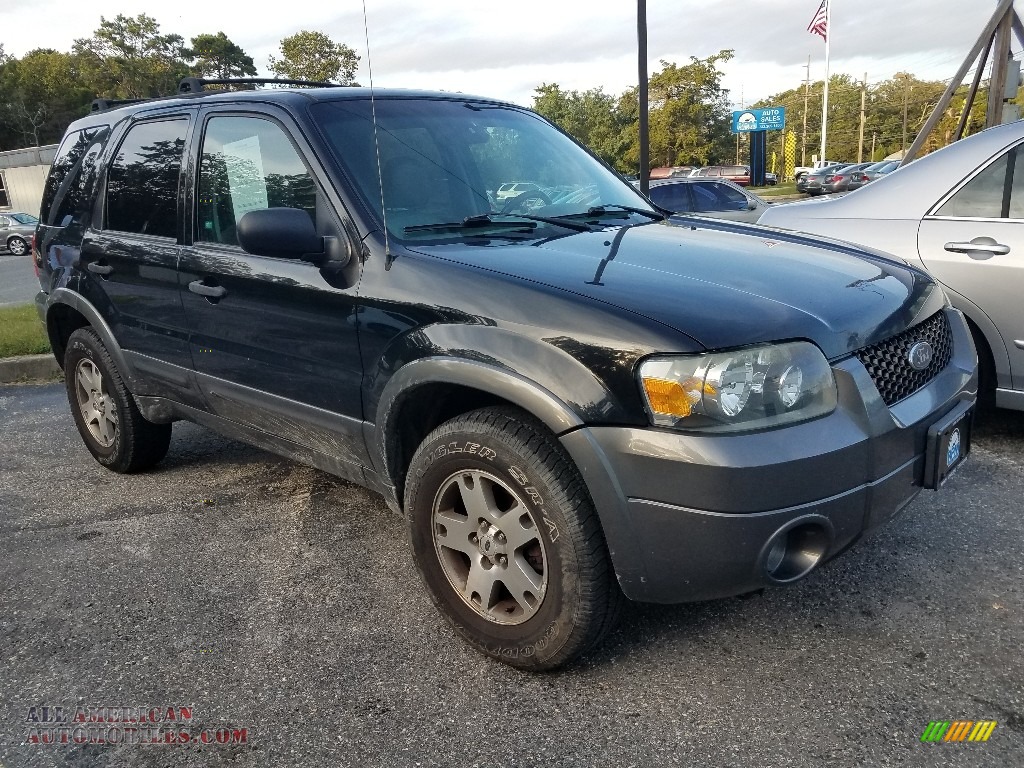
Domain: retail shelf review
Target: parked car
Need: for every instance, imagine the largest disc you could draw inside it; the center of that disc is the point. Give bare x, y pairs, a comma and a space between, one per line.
801, 170
514, 189
839, 179
872, 172
960, 213
666, 172
707, 197
737, 174
813, 183
16, 230
566, 404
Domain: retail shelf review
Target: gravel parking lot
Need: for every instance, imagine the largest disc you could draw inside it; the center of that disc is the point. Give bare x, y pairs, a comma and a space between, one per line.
271, 597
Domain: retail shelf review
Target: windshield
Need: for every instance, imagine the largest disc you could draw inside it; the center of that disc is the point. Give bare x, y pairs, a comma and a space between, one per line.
24, 218
446, 162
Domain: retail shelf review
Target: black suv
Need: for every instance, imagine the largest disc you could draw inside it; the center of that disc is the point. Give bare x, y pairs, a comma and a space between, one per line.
569, 396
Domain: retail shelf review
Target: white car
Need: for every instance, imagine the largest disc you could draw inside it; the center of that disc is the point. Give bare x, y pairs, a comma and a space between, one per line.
514, 189
958, 212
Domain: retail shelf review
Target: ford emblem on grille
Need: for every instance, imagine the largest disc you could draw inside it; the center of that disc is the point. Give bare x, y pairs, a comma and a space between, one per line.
920, 355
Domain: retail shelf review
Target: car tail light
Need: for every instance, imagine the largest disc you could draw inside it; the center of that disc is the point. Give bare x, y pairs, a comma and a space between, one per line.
34, 252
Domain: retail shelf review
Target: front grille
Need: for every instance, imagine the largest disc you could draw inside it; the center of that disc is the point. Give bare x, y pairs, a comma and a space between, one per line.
889, 364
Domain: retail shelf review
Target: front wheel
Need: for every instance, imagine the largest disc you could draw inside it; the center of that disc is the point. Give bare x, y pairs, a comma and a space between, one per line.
507, 540
17, 246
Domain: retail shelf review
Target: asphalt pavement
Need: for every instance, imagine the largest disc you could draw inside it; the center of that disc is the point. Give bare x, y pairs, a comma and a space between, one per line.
18, 283
262, 595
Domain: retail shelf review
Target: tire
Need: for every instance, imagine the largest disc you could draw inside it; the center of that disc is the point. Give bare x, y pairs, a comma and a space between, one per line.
553, 555
105, 412
17, 245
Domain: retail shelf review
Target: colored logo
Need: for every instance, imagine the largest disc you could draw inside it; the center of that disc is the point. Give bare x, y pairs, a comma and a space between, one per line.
958, 730
953, 451
920, 355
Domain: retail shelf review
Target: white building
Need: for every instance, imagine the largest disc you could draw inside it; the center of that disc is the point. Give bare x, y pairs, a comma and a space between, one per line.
22, 175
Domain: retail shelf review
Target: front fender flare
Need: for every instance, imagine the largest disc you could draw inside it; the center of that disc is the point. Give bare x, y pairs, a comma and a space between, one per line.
495, 380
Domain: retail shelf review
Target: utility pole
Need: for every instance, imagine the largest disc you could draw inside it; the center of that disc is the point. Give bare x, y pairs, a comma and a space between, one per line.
863, 95
873, 137
737, 133
645, 136
803, 136
906, 92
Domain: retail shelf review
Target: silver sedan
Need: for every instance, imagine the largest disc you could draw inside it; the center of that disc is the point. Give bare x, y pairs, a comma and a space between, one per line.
717, 198
16, 230
959, 212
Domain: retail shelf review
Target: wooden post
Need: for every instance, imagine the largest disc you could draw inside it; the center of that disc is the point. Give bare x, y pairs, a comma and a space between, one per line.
1005, 8
997, 83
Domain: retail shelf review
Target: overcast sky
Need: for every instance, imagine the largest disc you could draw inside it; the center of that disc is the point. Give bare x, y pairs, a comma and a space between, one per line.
506, 49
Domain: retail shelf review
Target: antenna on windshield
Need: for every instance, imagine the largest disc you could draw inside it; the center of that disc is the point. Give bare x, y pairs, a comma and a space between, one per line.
376, 141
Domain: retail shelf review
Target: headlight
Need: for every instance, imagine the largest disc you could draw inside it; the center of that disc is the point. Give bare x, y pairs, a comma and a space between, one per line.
751, 388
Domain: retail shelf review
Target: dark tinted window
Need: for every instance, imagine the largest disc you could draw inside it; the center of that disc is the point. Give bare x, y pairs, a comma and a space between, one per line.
69, 186
248, 164
142, 183
672, 196
704, 198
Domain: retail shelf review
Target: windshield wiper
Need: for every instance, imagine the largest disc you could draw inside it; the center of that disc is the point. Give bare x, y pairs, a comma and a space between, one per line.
486, 221
597, 210
471, 222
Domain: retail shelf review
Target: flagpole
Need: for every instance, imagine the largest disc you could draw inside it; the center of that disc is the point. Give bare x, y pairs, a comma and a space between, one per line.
824, 102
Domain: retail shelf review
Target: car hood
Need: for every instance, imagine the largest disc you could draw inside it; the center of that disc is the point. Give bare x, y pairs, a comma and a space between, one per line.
721, 283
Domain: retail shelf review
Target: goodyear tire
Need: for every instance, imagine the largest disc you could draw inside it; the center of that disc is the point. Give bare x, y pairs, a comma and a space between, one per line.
114, 430
507, 541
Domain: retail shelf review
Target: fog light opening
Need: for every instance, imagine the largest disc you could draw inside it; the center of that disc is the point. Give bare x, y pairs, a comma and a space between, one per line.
793, 552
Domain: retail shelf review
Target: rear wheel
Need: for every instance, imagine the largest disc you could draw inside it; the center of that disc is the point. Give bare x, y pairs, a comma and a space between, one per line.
114, 430
507, 540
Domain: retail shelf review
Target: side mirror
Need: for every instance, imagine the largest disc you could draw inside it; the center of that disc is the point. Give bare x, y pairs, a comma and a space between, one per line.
286, 233
751, 205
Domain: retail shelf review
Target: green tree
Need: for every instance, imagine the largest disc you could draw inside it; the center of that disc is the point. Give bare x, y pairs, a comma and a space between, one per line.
216, 56
128, 58
314, 56
689, 112
591, 117
41, 94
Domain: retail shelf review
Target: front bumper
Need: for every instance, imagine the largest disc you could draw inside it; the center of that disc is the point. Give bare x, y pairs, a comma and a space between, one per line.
691, 517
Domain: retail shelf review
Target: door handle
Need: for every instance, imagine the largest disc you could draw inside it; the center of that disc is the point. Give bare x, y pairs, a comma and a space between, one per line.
209, 291
982, 244
99, 269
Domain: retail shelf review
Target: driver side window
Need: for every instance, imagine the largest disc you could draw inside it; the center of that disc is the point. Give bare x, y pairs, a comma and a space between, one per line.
248, 163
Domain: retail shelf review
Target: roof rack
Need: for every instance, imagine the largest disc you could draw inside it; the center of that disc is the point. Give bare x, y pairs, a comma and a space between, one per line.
102, 105
198, 84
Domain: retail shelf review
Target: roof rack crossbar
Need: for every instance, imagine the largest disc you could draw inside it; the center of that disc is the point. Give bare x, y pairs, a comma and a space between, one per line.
102, 105
197, 84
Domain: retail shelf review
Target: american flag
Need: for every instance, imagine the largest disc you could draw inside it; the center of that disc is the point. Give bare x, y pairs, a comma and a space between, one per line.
819, 24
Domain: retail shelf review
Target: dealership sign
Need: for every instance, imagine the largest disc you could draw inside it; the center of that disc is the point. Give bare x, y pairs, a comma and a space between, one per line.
768, 119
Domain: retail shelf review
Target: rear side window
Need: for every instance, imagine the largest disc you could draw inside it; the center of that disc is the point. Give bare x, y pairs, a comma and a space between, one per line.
995, 193
142, 183
69, 185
